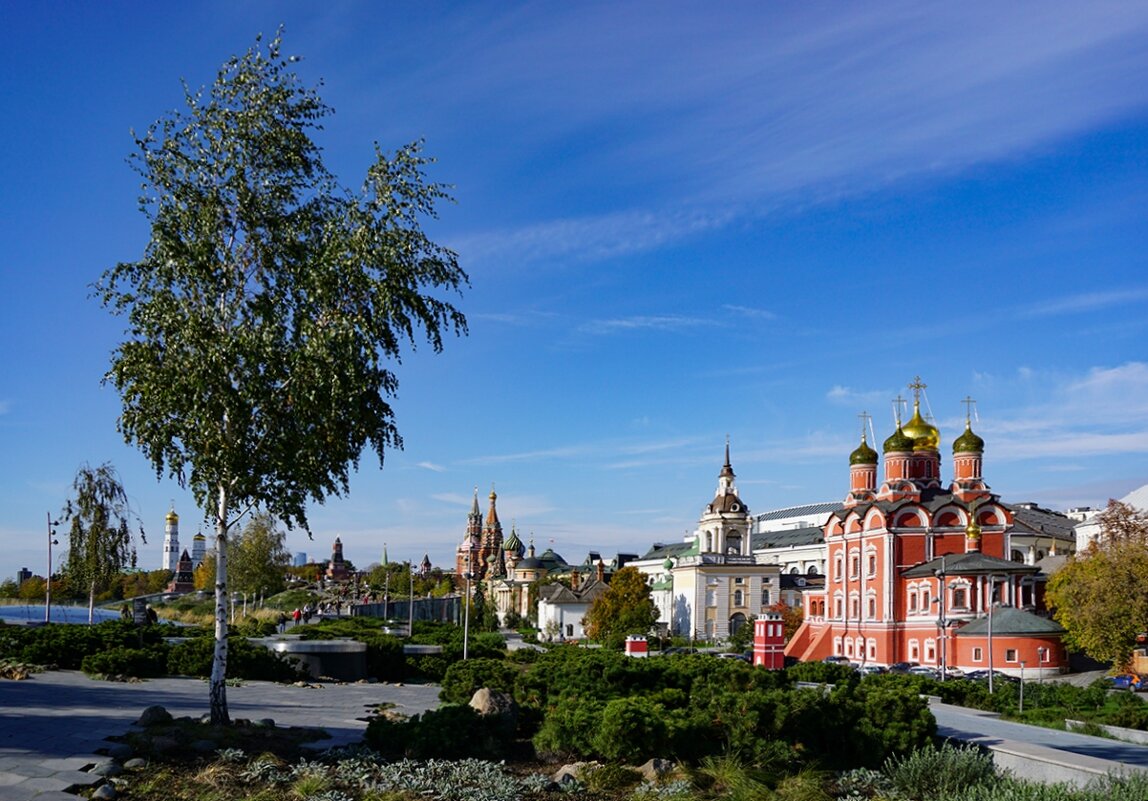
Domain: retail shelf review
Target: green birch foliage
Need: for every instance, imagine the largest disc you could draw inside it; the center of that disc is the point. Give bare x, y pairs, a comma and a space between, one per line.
99, 535
270, 303
259, 557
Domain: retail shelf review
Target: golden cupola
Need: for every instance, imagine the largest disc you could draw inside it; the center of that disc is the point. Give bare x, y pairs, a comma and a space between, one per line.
925, 435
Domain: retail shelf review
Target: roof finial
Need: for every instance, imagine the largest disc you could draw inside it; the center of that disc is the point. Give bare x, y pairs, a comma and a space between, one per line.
970, 410
898, 408
864, 418
727, 450
917, 386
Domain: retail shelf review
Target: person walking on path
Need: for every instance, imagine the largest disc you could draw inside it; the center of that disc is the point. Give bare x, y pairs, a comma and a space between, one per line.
296, 615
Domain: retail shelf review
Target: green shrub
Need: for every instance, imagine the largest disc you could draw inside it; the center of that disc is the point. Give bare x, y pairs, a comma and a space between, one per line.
462, 679
611, 779
568, 727
141, 663
821, 672
631, 730
893, 720
245, 660
450, 732
938, 774
66, 645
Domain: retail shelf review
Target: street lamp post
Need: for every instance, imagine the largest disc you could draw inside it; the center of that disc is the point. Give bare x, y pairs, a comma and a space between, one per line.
466, 613
942, 624
48, 579
992, 665
1021, 706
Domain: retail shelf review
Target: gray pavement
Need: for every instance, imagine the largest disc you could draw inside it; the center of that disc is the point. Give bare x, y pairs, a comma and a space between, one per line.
53, 724
1037, 753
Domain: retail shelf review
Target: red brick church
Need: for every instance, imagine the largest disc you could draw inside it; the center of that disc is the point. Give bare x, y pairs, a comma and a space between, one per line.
917, 571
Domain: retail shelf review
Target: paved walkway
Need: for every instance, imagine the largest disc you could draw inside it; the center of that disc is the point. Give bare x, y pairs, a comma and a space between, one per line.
52, 724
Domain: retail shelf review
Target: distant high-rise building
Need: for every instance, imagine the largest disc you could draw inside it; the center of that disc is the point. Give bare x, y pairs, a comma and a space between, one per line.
171, 541
300, 559
23, 576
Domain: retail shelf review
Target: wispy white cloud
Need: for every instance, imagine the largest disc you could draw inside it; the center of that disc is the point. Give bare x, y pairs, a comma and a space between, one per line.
1103, 411
783, 106
747, 311
437, 468
847, 396
665, 322
1087, 302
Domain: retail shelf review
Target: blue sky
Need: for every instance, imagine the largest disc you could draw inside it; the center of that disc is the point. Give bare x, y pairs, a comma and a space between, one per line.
680, 224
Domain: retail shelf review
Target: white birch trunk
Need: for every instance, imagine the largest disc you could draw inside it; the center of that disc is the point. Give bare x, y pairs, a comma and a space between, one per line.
219, 714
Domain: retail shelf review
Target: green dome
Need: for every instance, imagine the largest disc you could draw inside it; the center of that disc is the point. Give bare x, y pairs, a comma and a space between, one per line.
968, 442
668, 564
863, 454
898, 442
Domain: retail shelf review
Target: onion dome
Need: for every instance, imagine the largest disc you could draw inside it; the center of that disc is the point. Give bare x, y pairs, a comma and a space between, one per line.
973, 529
863, 454
925, 436
172, 517
668, 564
968, 442
513, 544
898, 441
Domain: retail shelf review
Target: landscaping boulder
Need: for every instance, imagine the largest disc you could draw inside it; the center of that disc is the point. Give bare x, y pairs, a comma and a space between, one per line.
500, 705
154, 716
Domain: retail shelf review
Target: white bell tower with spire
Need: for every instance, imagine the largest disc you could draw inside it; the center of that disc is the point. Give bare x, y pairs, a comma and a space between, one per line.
171, 541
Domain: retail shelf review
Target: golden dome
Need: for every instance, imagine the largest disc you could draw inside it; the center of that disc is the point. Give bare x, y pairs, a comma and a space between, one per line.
925, 436
172, 517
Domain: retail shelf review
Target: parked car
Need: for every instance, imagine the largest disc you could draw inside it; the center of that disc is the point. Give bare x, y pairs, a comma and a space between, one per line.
983, 675
871, 670
836, 660
1126, 681
922, 670
679, 649
741, 657
902, 667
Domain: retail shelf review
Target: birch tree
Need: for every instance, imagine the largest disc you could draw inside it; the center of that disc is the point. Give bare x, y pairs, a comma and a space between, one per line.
99, 520
271, 305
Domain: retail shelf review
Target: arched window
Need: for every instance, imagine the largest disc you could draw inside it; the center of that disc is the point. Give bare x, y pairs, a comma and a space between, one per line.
765, 596
838, 567
812, 571
736, 622
912, 599
872, 604
926, 600
738, 597
733, 543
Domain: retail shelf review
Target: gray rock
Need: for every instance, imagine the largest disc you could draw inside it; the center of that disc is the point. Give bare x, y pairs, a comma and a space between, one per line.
568, 774
154, 716
656, 769
119, 751
106, 767
135, 763
487, 702
264, 723
105, 792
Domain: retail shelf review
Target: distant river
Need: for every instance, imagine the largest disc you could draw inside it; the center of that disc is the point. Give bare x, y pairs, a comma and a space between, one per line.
25, 613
